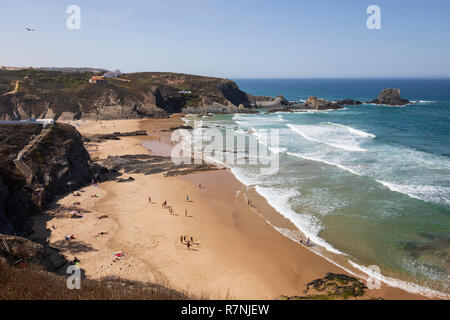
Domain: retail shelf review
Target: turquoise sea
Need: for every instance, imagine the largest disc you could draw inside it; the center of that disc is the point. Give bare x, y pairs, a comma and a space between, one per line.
369, 183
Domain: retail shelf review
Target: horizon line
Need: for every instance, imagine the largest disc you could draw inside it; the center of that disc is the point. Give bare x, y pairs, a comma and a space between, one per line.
432, 77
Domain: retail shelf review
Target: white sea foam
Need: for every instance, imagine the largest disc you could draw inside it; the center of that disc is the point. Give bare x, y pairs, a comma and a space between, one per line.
436, 194
424, 102
354, 131
277, 150
323, 161
331, 135
408, 286
279, 199
280, 118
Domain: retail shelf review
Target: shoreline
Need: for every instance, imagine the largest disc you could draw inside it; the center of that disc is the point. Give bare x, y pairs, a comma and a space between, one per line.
327, 251
233, 241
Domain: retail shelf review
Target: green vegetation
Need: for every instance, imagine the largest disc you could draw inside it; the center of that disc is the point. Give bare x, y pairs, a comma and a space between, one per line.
39, 79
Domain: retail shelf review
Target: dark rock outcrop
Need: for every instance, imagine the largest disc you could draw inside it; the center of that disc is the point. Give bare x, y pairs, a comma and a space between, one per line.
348, 102
21, 252
319, 104
112, 136
333, 286
59, 164
147, 164
390, 97
18, 248
268, 102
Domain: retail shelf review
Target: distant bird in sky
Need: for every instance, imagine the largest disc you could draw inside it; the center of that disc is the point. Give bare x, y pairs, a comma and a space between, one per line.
30, 29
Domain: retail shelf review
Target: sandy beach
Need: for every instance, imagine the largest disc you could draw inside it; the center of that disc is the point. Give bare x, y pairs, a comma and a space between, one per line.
236, 253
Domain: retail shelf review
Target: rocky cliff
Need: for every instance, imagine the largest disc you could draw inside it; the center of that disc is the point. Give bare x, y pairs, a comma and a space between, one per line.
58, 162
32, 93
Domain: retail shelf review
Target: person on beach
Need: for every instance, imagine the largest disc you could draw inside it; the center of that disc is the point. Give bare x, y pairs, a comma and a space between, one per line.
181, 239
307, 242
149, 199
164, 204
188, 244
185, 212
187, 198
199, 186
301, 240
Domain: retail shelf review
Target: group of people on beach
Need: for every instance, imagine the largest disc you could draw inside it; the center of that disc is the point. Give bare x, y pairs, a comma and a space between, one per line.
185, 240
188, 242
164, 205
307, 243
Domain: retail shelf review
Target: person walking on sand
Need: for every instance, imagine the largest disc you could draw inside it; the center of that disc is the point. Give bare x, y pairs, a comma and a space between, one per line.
301, 240
187, 198
149, 199
307, 242
181, 239
185, 212
164, 204
188, 244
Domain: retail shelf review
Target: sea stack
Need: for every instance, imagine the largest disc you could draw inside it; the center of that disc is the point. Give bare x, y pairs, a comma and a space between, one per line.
390, 97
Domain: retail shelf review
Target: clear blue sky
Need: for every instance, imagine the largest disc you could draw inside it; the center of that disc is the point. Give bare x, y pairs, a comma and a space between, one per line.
231, 38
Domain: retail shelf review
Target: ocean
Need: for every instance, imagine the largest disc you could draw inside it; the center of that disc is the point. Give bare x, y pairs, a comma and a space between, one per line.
370, 183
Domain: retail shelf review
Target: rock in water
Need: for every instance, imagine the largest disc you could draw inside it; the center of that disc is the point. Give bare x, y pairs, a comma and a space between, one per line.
390, 97
348, 102
320, 104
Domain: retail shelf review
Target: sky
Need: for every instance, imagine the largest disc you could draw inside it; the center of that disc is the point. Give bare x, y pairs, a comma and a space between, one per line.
233, 38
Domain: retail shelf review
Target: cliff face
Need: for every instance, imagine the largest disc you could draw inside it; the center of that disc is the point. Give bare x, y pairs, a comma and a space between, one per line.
58, 162
66, 96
